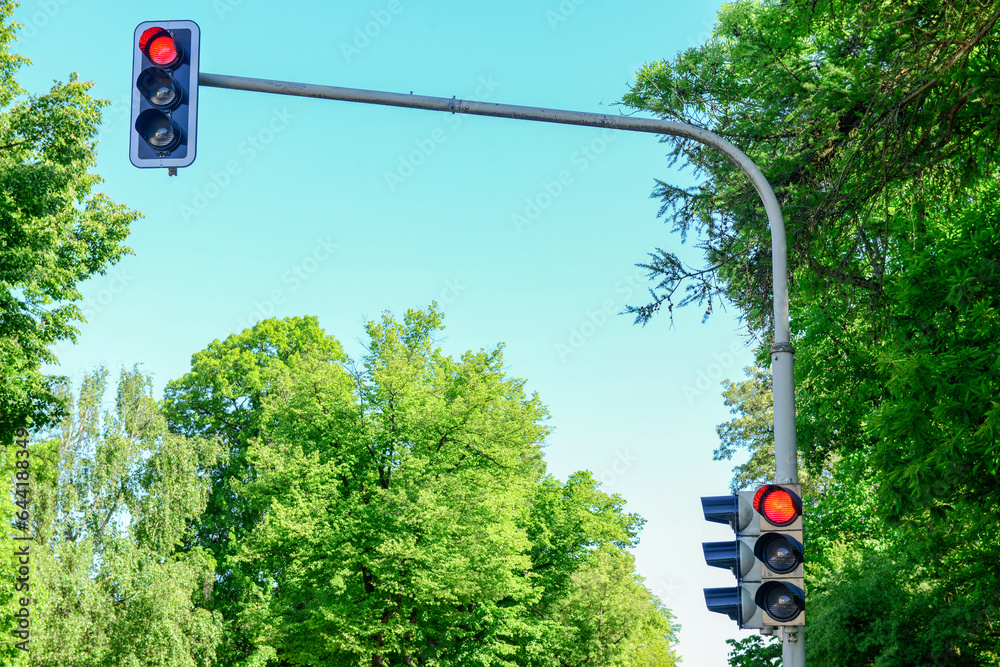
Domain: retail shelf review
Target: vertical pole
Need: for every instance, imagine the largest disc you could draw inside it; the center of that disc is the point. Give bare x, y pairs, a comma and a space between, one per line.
793, 646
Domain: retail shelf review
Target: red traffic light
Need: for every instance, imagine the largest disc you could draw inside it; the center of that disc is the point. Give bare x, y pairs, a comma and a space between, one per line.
164, 94
157, 44
778, 505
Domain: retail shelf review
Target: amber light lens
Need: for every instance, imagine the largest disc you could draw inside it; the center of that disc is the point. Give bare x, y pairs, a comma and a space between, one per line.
157, 86
159, 47
780, 553
783, 602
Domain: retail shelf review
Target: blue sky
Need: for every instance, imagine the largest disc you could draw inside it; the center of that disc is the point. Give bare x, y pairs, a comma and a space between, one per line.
297, 206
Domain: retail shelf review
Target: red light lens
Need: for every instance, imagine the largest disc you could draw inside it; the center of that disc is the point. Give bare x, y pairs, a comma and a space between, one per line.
159, 47
779, 507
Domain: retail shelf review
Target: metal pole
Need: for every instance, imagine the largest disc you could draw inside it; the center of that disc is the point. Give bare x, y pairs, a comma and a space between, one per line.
782, 371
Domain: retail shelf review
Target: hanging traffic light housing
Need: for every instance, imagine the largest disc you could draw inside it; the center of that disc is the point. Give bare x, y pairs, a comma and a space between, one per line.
164, 93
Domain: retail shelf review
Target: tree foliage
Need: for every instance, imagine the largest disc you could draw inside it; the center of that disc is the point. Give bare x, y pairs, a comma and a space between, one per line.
754, 651
614, 620
938, 425
844, 106
875, 124
54, 231
751, 429
396, 510
222, 399
111, 496
888, 607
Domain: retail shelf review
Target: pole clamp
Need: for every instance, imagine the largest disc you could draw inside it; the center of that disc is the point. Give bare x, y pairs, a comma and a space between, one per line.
782, 347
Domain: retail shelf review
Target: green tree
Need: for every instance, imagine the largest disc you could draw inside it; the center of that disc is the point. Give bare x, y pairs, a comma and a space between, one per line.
396, 510
222, 399
883, 605
754, 652
54, 231
112, 494
751, 429
846, 106
874, 124
392, 523
938, 426
614, 618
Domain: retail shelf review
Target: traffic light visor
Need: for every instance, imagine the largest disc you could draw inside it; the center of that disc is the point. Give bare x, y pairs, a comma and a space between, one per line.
734, 556
734, 602
721, 509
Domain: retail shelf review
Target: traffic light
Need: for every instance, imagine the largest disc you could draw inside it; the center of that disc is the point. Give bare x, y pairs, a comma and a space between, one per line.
781, 595
164, 93
766, 557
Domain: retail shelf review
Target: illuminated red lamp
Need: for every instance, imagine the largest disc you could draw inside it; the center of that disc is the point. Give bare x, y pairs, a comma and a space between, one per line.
778, 505
157, 45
